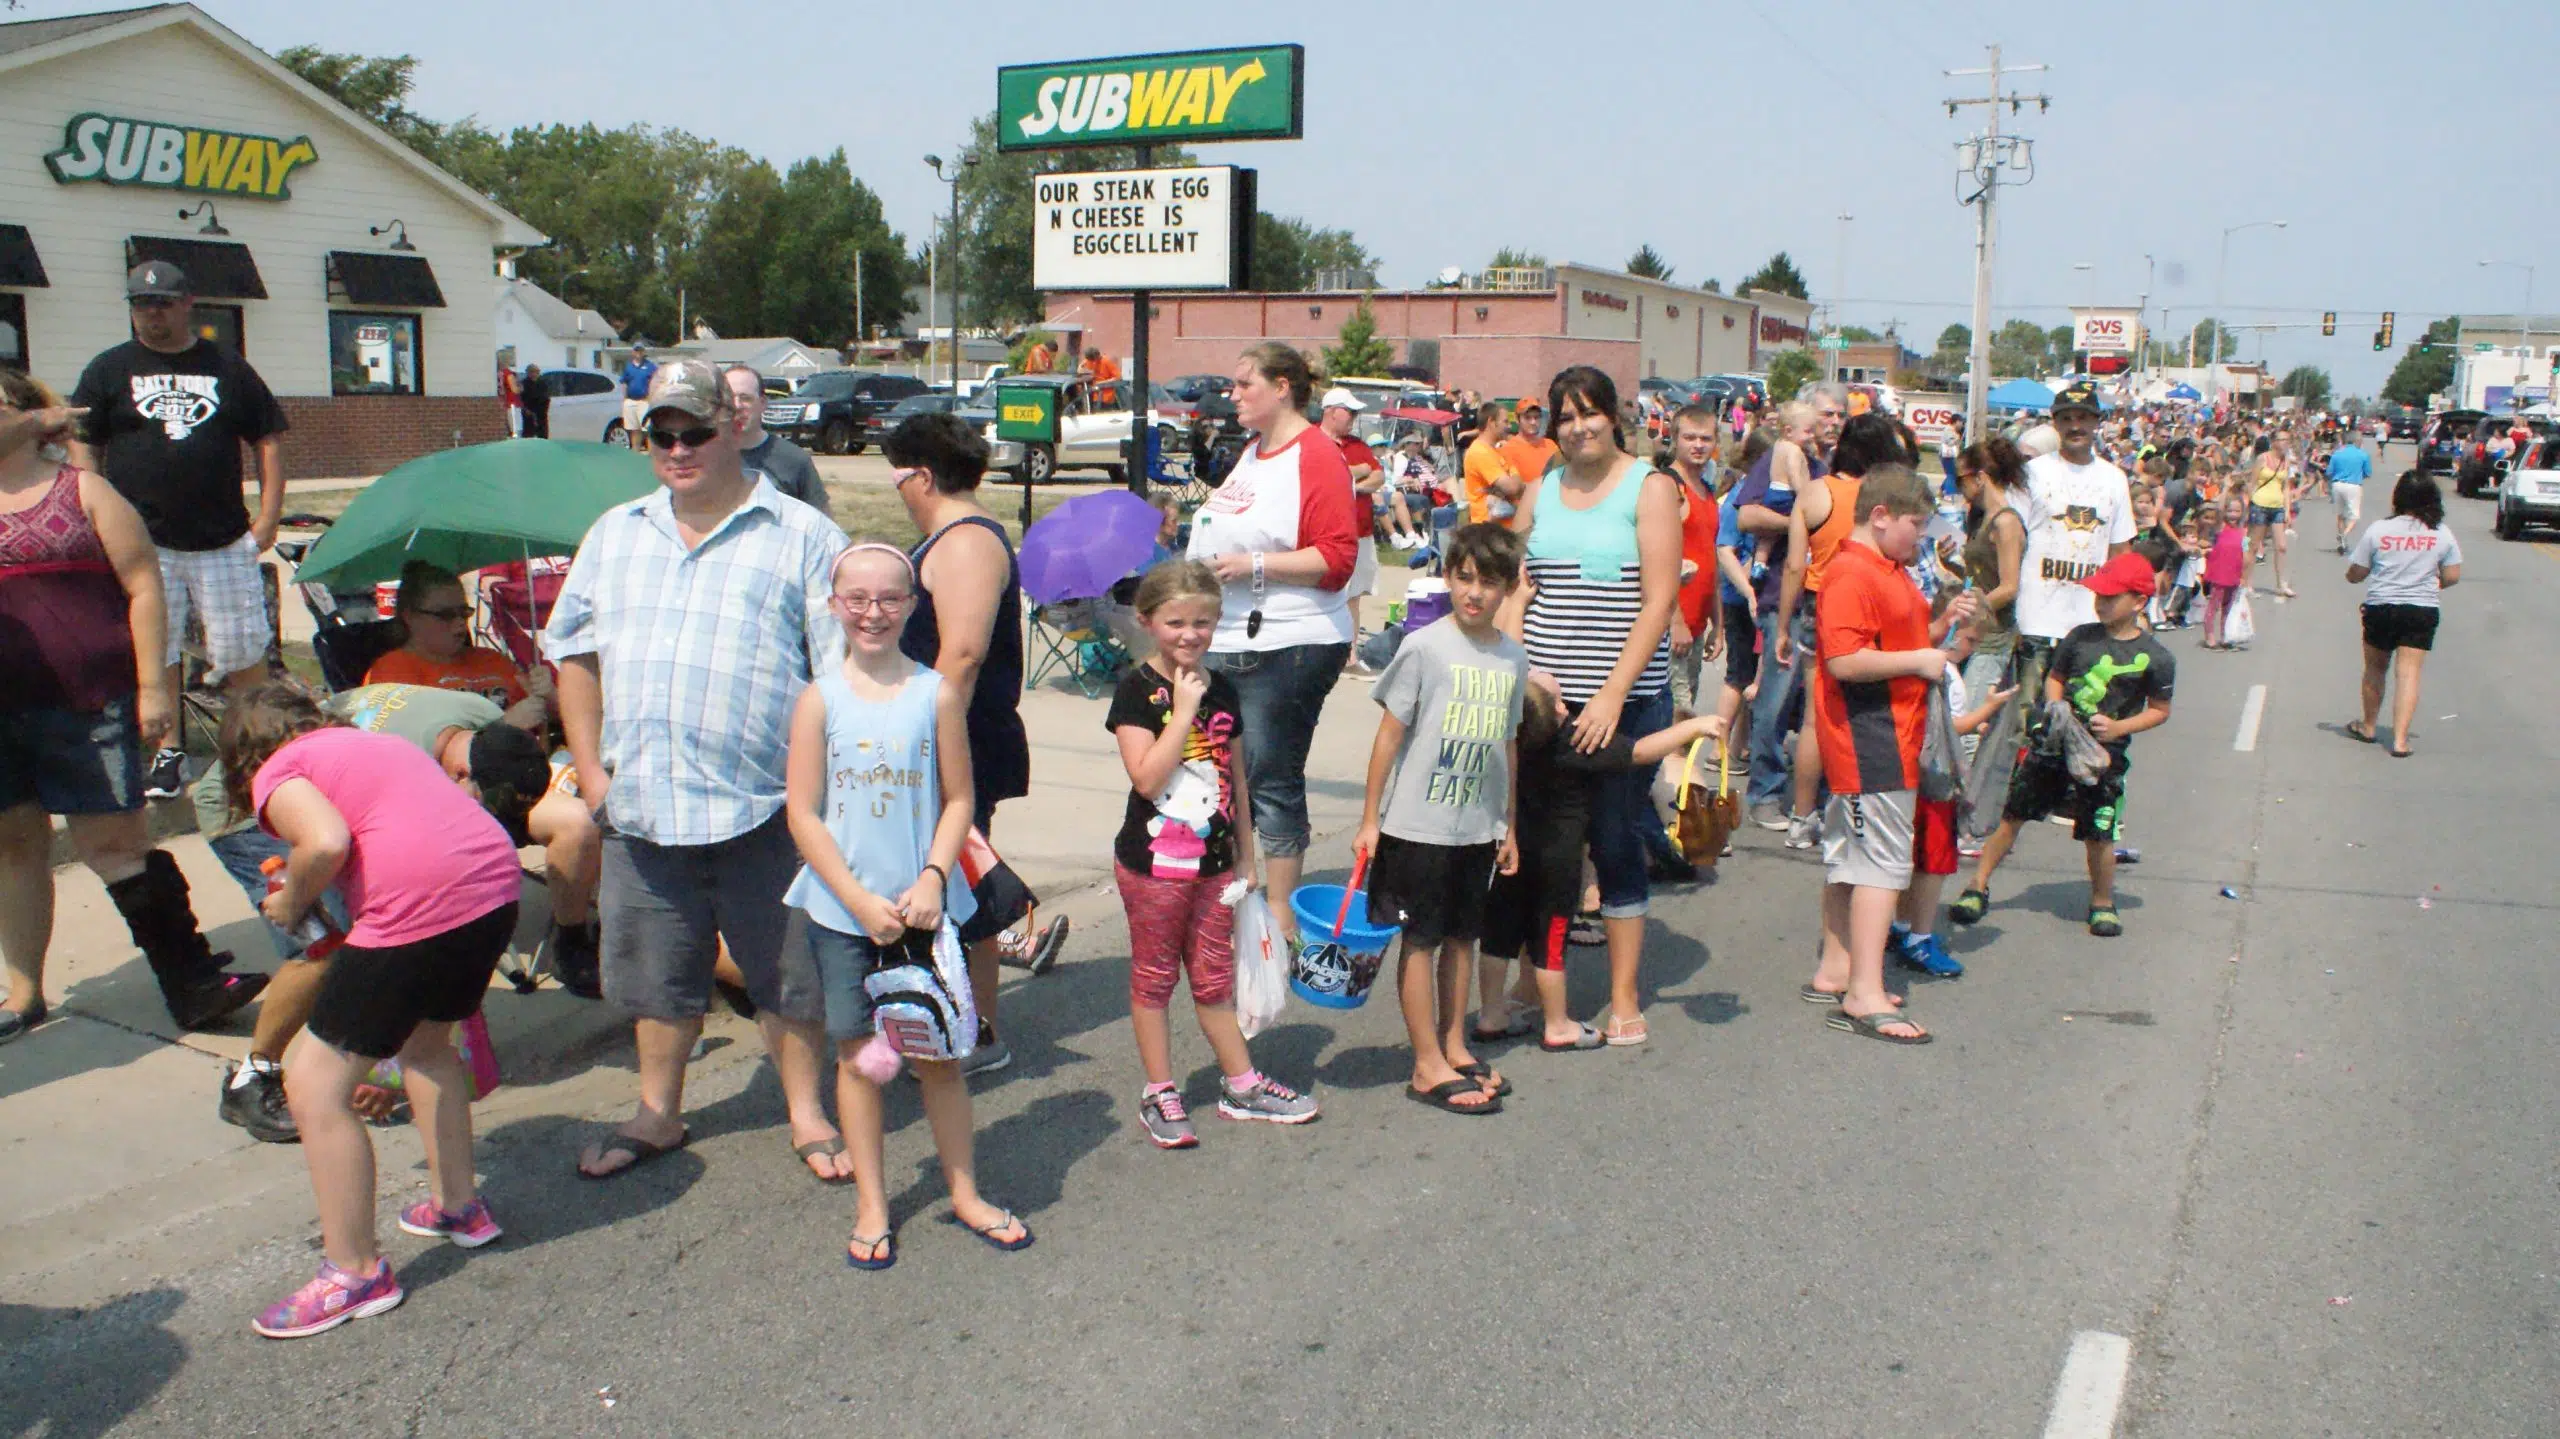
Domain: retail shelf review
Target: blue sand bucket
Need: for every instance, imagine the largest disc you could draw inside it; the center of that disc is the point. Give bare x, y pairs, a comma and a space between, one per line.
1334, 965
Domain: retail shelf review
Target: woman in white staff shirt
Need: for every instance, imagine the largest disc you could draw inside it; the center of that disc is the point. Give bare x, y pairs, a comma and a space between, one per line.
2405, 563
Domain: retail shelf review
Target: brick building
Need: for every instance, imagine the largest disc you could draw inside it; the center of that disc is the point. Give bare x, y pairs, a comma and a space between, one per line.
357, 277
1505, 334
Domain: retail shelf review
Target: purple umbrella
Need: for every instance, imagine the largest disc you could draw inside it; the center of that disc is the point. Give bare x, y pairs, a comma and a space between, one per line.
1086, 545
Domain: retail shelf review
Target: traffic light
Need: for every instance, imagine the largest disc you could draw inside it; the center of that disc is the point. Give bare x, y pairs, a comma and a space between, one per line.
2381, 341
2386, 328
2328, 322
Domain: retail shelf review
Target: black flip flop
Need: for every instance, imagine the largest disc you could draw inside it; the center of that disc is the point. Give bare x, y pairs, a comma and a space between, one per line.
2402, 753
1477, 1072
1444, 1097
1872, 1026
2360, 736
640, 1150
1587, 1038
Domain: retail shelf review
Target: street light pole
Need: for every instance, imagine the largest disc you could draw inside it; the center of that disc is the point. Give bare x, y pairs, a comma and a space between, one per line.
1839, 286
953, 245
2212, 376
2526, 320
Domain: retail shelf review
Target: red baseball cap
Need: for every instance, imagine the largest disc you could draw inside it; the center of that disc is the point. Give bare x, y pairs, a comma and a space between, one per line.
2126, 574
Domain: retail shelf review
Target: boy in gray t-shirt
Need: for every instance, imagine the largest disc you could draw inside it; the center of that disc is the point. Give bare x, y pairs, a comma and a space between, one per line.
1437, 820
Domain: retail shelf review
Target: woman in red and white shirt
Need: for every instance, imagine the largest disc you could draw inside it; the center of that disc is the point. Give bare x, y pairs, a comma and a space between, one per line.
1282, 533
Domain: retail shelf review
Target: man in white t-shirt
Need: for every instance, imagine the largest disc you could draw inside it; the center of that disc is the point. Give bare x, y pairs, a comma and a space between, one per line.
2079, 514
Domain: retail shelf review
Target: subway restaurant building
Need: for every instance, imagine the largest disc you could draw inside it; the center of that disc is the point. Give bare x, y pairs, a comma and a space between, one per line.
357, 277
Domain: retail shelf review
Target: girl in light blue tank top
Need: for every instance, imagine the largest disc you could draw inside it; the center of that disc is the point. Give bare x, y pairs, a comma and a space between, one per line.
878, 801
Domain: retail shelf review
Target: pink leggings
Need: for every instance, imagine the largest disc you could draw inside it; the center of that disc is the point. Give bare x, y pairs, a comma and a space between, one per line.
1177, 925
2217, 605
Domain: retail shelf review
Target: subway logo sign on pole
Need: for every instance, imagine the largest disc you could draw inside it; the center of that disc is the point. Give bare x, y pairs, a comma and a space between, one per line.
1254, 94
115, 151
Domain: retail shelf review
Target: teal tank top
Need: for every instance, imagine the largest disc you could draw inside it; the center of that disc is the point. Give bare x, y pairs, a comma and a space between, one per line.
883, 797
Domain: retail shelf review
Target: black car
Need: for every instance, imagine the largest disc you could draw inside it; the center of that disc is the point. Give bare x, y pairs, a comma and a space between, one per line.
2448, 439
831, 411
877, 428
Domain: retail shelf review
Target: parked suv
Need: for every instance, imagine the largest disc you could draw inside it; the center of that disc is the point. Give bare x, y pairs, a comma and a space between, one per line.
831, 409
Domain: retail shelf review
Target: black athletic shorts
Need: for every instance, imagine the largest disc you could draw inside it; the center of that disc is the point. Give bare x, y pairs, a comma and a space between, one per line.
371, 999
2040, 787
2400, 627
1741, 645
1434, 891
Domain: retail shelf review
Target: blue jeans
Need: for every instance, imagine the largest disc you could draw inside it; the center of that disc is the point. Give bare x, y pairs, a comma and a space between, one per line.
1623, 825
241, 852
1282, 695
1780, 698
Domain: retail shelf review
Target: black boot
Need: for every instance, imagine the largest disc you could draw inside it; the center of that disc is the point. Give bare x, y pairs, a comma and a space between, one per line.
574, 959
155, 907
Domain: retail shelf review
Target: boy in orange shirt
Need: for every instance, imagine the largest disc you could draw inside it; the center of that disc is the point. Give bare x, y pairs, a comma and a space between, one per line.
1877, 676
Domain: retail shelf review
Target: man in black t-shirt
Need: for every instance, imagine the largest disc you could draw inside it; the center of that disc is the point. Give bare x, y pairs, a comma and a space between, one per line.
168, 413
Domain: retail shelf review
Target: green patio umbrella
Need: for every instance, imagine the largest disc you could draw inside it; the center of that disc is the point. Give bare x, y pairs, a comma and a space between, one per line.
475, 506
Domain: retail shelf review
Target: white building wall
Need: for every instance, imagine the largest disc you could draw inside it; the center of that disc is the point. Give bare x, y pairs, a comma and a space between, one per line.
176, 76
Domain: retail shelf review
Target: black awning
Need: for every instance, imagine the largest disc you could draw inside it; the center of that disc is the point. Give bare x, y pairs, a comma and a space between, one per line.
216, 269
363, 278
18, 263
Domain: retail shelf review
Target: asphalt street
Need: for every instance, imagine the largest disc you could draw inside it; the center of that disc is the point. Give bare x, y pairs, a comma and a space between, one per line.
2295, 1148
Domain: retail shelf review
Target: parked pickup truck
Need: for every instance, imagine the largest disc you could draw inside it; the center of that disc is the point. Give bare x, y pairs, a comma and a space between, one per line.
830, 410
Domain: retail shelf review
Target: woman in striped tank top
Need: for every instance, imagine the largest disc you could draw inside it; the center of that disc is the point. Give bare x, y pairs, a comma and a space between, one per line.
1604, 570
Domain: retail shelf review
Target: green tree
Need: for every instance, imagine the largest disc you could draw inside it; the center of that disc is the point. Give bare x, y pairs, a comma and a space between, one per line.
1955, 340
1357, 348
374, 86
2204, 334
1779, 277
1713, 287
1859, 335
1646, 264
1790, 371
2057, 347
1288, 252
2307, 383
2425, 368
2020, 347
1508, 258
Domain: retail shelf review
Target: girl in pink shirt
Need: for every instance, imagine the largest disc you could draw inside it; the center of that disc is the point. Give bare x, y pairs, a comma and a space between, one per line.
2226, 566
430, 883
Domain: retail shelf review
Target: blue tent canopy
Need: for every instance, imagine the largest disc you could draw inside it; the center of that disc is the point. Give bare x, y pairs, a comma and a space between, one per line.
2184, 392
2019, 395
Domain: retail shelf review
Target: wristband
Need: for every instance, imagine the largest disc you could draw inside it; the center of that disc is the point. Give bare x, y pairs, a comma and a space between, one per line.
1259, 580
939, 873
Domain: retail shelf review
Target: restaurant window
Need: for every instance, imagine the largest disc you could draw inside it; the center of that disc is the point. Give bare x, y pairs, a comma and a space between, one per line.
13, 330
222, 325
373, 354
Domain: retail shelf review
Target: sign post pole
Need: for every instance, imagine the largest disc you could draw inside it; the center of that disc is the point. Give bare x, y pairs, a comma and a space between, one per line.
1141, 306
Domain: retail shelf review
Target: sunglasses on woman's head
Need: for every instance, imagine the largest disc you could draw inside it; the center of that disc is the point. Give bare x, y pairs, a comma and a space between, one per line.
692, 439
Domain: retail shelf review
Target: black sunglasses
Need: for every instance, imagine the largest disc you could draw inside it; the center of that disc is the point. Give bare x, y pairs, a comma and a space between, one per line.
692, 439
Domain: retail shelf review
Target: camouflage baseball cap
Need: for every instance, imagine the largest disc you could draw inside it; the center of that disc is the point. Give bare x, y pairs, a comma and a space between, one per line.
691, 386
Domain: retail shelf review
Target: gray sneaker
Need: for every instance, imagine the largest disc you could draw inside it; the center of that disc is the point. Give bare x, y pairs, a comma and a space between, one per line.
1167, 1121
991, 1055
1804, 831
1269, 1099
1768, 814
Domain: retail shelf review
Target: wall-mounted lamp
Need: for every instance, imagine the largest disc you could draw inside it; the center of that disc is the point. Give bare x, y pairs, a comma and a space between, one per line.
1484, 312
212, 221
1315, 312
399, 229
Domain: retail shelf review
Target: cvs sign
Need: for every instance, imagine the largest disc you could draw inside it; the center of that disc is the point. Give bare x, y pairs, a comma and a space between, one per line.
2104, 332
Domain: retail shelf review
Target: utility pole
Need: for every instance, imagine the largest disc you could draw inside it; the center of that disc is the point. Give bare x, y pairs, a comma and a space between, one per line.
1981, 160
1839, 287
858, 332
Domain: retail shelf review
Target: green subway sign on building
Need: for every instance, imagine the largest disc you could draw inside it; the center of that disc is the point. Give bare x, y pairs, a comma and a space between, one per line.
1194, 95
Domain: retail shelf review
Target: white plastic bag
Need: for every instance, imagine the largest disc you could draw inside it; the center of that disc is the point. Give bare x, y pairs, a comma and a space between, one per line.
1262, 971
2239, 626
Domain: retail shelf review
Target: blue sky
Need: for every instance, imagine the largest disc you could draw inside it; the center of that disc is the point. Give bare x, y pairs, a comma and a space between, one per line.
2392, 137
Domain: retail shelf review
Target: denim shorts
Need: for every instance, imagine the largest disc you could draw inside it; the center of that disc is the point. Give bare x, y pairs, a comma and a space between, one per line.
1282, 693
72, 761
844, 962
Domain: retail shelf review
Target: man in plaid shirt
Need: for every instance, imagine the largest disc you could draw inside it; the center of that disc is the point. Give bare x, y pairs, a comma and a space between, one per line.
688, 625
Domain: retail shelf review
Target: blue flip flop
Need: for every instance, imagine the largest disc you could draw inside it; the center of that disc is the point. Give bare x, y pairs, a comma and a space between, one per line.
886, 1242
991, 1231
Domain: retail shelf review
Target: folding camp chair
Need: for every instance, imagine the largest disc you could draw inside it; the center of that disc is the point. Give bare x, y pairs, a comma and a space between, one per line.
1074, 636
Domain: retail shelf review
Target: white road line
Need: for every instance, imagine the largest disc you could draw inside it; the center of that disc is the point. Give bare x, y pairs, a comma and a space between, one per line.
2253, 709
2092, 1386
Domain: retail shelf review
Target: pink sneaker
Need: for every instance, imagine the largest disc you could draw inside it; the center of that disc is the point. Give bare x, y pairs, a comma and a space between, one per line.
471, 1228
333, 1297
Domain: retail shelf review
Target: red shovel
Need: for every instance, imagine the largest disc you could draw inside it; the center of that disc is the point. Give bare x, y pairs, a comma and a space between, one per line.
1359, 872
